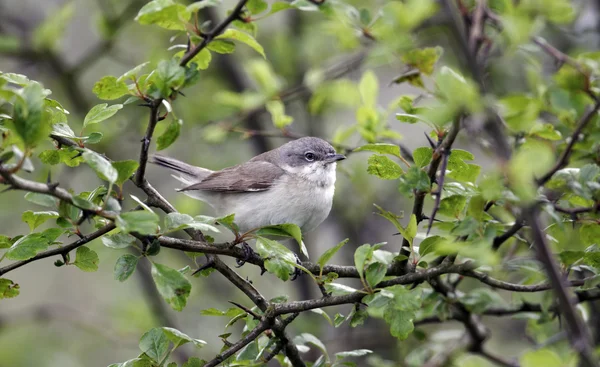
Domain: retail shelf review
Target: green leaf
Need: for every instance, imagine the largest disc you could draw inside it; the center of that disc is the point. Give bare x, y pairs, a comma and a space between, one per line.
169, 75
35, 219
244, 38
176, 221
27, 247
93, 138
101, 165
170, 135
125, 169
453, 205
154, 343
285, 230
383, 167
140, 221
422, 156
133, 73
172, 285
27, 114
401, 322
86, 259
41, 199
423, 59
590, 234
221, 46
256, 6
100, 112
369, 88
228, 222
109, 88
63, 130
375, 273
178, 338
8, 288
327, 255
201, 60
125, 266
118, 240
382, 148
164, 13
278, 258
362, 256
541, 357
429, 244
277, 111
5, 242
50, 157
411, 228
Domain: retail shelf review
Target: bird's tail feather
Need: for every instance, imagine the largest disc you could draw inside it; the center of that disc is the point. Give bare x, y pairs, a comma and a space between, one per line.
188, 171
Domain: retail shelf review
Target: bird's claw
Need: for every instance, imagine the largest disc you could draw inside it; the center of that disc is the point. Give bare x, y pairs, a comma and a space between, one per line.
297, 272
248, 254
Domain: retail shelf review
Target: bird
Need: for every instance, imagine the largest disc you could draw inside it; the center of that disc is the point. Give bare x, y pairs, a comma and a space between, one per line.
293, 183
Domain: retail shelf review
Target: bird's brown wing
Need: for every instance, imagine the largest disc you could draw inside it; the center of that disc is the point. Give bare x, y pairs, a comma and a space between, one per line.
249, 177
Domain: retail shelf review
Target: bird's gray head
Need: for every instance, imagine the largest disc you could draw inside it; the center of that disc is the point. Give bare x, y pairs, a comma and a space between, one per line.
310, 157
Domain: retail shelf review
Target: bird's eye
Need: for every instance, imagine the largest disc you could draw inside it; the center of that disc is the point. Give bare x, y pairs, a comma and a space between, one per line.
310, 156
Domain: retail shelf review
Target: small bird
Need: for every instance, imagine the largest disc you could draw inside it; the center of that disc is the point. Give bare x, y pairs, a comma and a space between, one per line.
290, 184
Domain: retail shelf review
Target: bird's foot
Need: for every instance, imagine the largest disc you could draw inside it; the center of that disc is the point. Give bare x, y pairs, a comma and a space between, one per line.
297, 272
248, 254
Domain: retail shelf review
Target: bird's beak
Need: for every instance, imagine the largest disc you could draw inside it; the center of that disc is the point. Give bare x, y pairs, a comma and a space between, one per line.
334, 158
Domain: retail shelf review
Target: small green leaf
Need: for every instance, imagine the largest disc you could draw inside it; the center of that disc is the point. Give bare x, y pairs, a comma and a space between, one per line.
284, 230
221, 46
5, 242
86, 259
411, 228
109, 88
369, 88
125, 169
401, 322
382, 148
100, 112
125, 266
194, 361
452, 206
141, 221
154, 344
50, 157
93, 138
27, 247
541, 357
118, 240
278, 258
352, 353
36, 219
429, 244
27, 114
244, 38
422, 156
170, 135
277, 111
383, 167
423, 59
101, 165
362, 256
8, 288
375, 273
42, 199
164, 13
169, 75
257, 6
327, 255
178, 338
172, 285
590, 234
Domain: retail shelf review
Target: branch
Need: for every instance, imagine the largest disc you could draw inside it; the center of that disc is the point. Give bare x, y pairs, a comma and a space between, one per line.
563, 160
438, 154
143, 160
60, 250
579, 335
499, 240
264, 324
18, 183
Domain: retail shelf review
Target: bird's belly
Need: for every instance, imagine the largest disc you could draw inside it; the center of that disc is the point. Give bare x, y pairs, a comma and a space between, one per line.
307, 207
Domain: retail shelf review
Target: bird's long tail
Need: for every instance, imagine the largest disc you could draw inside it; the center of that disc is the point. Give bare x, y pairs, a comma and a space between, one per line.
188, 173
